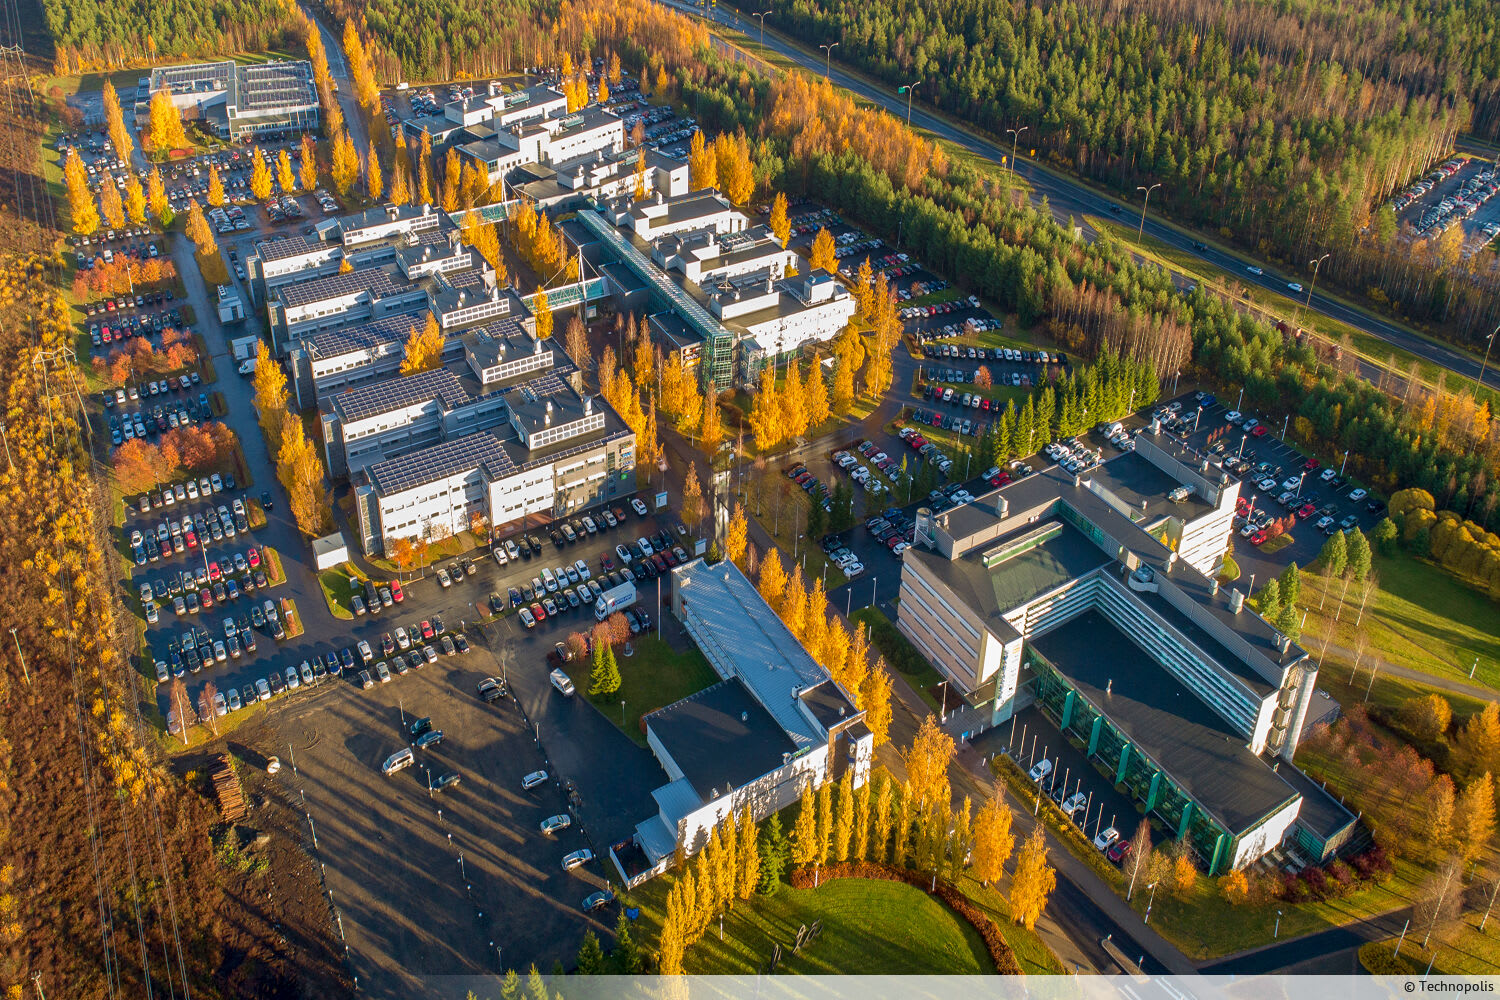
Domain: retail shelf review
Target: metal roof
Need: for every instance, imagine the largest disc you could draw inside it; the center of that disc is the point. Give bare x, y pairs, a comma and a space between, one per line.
341, 340
721, 738
742, 637
1197, 749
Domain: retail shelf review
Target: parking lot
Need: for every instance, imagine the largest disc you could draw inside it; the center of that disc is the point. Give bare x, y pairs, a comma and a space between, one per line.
1458, 192
462, 880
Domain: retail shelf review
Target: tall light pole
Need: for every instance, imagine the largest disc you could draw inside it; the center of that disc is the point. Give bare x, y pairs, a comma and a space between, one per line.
1015, 139
1150, 903
1141, 231
1314, 264
1488, 343
828, 57
907, 90
762, 16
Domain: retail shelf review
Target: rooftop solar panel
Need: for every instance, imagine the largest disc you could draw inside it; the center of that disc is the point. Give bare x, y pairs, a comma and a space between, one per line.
440, 461
383, 397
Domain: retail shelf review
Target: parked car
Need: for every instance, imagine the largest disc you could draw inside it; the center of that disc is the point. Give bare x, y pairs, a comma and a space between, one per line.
398, 761
533, 780
554, 824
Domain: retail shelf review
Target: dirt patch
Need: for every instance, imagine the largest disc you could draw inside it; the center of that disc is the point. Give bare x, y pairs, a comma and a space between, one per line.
275, 927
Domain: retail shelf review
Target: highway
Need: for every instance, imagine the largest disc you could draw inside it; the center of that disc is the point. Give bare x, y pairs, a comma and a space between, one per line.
1070, 197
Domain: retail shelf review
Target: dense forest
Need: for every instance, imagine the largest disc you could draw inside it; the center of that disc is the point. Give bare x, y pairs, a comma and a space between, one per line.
877, 173
93, 35
1281, 124
420, 40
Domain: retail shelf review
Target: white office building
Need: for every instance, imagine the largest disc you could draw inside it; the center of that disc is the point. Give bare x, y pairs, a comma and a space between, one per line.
775, 723
1065, 591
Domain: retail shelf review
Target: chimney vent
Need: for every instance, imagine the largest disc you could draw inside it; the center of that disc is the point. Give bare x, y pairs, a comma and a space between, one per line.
1213, 587
1236, 600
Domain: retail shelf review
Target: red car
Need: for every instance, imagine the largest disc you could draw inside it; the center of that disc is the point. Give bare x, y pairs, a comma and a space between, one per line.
1260, 431
214, 572
205, 598
538, 613
1306, 510
397, 594
1118, 851
1259, 538
427, 632
1310, 464
190, 539
253, 558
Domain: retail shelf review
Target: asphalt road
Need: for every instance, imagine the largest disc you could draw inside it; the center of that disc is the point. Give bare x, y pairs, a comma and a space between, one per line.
1069, 197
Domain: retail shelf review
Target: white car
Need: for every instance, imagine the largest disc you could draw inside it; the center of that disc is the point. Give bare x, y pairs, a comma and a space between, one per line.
293, 682
637, 506
1358, 494
443, 579
552, 824
403, 641
1329, 475
366, 654
1294, 286
582, 568
577, 859
399, 761
645, 544
1233, 416
1040, 770
533, 780
1106, 837
1254, 270
1292, 483
562, 682
383, 672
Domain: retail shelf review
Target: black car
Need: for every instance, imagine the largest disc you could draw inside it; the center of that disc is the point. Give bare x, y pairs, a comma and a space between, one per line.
497, 604
448, 780
491, 690
422, 725
438, 628
266, 502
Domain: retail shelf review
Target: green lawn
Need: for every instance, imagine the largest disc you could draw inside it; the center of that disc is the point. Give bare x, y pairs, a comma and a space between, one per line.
336, 591
1205, 926
1278, 543
1230, 571
869, 928
1421, 617
655, 676
1463, 950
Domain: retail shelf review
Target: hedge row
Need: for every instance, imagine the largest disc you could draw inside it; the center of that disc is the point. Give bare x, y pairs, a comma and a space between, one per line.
1000, 950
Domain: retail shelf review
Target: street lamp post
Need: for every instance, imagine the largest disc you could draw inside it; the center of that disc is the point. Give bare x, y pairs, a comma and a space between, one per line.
1488, 343
828, 57
1313, 283
1150, 903
762, 16
1015, 138
907, 90
1141, 231
1276, 932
